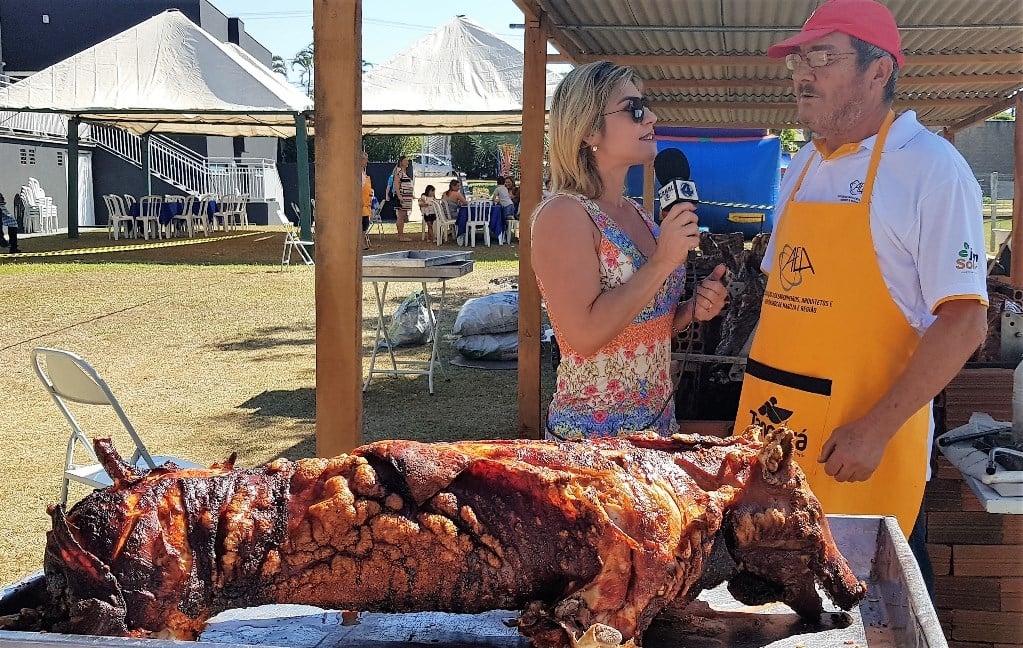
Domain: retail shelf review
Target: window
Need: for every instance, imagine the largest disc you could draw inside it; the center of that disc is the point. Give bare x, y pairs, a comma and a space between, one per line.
27, 155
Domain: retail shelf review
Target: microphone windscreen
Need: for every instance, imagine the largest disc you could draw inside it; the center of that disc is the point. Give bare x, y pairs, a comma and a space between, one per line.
671, 164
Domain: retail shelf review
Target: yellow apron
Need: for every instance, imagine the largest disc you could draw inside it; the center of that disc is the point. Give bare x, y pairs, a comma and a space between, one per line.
830, 342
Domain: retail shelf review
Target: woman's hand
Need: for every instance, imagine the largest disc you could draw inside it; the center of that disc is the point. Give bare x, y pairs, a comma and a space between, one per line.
710, 295
680, 233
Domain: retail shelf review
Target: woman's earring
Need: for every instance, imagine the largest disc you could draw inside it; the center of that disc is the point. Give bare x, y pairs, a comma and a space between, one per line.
594, 148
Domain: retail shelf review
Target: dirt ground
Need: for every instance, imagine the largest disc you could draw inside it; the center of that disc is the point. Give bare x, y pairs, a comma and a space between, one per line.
210, 349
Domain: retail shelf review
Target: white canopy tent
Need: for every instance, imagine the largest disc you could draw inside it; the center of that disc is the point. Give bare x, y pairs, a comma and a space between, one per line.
458, 78
165, 75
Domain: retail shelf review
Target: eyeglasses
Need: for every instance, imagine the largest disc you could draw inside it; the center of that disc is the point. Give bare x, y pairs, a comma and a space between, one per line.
814, 59
635, 105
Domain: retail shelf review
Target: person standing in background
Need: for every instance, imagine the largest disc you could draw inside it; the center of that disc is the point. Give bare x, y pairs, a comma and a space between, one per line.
402, 188
9, 223
880, 244
367, 201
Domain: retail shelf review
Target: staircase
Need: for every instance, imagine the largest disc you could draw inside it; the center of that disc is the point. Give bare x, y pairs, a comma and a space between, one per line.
192, 173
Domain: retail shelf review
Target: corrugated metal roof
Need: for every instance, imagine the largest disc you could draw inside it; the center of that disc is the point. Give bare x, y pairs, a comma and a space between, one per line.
703, 61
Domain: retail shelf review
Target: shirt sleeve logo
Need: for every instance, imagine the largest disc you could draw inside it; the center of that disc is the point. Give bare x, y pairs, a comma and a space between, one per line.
968, 258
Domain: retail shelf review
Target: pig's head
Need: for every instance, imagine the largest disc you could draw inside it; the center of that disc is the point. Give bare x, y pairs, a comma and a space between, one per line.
779, 537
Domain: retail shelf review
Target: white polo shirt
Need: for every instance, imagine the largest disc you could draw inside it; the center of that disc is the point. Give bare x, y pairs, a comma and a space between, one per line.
925, 214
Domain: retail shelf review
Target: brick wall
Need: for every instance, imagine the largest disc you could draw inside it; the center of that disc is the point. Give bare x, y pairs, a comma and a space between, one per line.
978, 565
977, 556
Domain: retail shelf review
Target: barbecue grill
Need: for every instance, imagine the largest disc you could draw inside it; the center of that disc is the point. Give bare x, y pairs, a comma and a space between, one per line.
896, 612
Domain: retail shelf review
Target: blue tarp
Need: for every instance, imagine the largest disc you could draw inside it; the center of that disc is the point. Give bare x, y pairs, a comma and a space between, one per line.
741, 172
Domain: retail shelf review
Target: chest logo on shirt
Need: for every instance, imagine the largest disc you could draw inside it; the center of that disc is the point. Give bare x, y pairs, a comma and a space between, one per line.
792, 263
968, 259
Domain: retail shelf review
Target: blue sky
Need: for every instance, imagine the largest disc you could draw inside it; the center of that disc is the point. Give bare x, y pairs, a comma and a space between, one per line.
389, 26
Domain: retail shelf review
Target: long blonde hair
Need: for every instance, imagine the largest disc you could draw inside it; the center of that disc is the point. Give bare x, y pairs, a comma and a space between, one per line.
575, 114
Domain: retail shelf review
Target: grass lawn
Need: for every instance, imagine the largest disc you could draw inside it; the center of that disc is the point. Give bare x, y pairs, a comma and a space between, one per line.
210, 349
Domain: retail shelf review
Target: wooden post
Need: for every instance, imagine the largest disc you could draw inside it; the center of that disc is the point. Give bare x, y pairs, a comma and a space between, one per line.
534, 90
72, 177
1016, 272
648, 188
338, 100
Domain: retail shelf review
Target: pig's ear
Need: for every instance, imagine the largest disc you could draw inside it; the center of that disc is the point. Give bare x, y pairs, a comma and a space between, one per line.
776, 455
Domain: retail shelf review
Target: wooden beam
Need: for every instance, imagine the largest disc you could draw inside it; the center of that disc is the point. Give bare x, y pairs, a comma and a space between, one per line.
754, 60
534, 86
1016, 266
984, 113
530, 11
904, 82
338, 84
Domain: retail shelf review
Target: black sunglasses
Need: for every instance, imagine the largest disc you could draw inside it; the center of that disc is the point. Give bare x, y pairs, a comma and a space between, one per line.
635, 105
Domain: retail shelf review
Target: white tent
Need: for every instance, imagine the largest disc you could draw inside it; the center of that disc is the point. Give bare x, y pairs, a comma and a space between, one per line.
165, 74
459, 78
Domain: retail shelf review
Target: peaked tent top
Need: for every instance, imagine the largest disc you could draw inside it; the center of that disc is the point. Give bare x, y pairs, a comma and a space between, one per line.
165, 74
460, 77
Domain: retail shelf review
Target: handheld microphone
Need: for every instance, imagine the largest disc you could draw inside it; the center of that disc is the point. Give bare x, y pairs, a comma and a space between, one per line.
672, 169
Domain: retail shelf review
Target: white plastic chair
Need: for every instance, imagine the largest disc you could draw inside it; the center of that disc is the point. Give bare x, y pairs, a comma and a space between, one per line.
33, 215
47, 210
511, 227
149, 214
447, 221
118, 217
192, 217
70, 379
479, 219
293, 240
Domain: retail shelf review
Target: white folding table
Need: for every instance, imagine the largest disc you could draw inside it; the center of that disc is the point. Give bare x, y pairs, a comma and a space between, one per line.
381, 274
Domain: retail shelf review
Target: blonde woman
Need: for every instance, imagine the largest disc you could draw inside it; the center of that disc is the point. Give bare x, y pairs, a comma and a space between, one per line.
611, 277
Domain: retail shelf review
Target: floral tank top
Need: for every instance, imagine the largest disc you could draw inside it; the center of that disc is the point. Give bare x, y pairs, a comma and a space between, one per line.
626, 385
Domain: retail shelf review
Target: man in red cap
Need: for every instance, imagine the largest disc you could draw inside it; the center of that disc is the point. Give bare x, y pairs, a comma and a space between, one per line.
876, 292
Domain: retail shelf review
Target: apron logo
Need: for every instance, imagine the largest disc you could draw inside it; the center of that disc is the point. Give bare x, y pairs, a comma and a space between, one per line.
968, 259
771, 416
793, 261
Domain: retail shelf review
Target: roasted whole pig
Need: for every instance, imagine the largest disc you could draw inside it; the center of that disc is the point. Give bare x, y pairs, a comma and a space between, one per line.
599, 536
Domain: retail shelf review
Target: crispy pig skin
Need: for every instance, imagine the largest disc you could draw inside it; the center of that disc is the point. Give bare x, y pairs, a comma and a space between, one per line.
605, 532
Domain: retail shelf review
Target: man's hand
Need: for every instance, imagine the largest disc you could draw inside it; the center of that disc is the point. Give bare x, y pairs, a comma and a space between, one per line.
854, 451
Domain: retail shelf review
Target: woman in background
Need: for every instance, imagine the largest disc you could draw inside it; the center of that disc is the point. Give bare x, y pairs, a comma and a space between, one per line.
611, 277
402, 188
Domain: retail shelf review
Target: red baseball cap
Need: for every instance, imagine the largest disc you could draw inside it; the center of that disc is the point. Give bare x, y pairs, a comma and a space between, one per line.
866, 20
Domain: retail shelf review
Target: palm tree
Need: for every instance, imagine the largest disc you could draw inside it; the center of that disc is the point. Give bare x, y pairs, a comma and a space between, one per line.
304, 61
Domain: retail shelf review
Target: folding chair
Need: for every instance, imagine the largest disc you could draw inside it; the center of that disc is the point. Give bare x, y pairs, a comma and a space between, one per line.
70, 379
293, 239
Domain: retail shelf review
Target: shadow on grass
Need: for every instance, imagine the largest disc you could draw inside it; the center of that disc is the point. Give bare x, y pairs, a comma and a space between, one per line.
269, 339
294, 403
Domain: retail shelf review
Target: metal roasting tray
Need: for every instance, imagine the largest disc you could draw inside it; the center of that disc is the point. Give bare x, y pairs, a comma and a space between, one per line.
414, 258
425, 273
897, 613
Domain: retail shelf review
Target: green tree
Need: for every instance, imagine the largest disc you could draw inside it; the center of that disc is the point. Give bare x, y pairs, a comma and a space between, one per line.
789, 143
388, 148
476, 154
278, 64
303, 60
